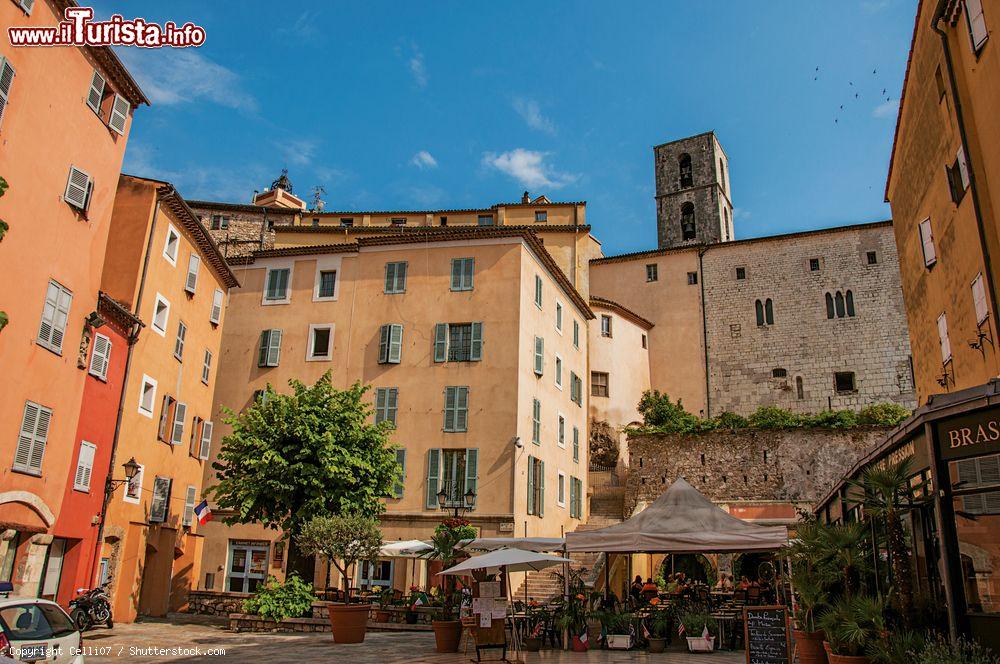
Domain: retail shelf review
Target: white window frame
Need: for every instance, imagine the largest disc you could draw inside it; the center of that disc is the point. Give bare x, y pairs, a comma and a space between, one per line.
206, 367
398, 285
336, 283
926, 233
979, 299
561, 489
100, 372
558, 371
147, 380
162, 331
137, 481
172, 233
218, 300
179, 339
539, 296
538, 356
81, 485
309, 346
194, 268
288, 291
576, 334
559, 317
561, 430
118, 117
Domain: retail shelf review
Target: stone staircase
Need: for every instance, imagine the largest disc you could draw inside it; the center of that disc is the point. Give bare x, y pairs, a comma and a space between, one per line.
606, 504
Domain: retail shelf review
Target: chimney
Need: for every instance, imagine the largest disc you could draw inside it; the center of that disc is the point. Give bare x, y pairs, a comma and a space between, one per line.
525, 199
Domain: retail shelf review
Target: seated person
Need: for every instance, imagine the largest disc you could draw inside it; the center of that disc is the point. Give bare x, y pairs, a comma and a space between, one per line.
744, 583
649, 589
724, 582
635, 590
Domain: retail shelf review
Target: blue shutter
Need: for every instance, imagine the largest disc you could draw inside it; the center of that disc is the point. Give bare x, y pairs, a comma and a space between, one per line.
476, 353
441, 342
395, 343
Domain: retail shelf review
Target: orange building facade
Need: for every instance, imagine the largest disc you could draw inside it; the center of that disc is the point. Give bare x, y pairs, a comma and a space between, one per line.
169, 272
65, 117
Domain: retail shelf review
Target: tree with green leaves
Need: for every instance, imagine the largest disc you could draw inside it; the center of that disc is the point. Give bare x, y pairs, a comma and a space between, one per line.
293, 457
342, 540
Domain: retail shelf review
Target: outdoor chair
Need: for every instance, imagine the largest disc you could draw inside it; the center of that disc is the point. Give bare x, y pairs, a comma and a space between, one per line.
740, 596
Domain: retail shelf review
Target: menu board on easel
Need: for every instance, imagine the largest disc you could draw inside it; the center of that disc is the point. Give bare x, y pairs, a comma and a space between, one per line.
766, 635
489, 607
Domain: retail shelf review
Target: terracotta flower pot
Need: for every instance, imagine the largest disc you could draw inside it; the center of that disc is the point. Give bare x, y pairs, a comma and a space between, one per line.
843, 659
810, 644
657, 645
382, 616
348, 622
580, 645
532, 644
447, 635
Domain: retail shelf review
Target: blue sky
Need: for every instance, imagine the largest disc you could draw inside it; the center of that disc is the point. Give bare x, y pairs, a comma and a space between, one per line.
465, 104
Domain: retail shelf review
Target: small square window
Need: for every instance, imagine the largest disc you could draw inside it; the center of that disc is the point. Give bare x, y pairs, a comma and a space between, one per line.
692, 278
652, 272
320, 342
814, 265
346, 222
444, 221
741, 273
327, 285
398, 221
872, 258
161, 314
844, 382
599, 383
644, 342
485, 220
779, 373
315, 222
147, 396
541, 215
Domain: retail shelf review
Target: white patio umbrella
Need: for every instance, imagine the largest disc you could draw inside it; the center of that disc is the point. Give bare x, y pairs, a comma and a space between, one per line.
405, 549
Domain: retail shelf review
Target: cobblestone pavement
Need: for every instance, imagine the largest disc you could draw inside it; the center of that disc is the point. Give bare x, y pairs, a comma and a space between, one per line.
133, 643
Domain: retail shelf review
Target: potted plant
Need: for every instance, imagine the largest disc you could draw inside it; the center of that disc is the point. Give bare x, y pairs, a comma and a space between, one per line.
277, 601
811, 593
537, 617
382, 613
417, 598
571, 616
344, 540
659, 625
700, 630
618, 628
448, 629
852, 627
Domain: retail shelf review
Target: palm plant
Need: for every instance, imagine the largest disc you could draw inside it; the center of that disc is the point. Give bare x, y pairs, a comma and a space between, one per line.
853, 624
884, 487
844, 556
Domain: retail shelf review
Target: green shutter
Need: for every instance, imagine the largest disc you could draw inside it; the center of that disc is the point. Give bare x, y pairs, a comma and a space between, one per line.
395, 343
274, 348
392, 397
441, 342
476, 354
449, 408
461, 409
390, 276
397, 490
471, 470
541, 487
383, 344
401, 277
380, 399
531, 485
262, 352
433, 477
456, 274
539, 355
469, 268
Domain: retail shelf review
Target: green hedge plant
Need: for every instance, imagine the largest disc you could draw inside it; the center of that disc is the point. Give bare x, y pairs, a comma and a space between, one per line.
277, 601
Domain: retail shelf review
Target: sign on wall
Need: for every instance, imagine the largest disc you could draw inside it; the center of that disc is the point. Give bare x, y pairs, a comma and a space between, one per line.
968, 435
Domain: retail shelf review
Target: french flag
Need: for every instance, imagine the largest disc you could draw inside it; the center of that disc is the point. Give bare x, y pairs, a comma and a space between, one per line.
203, 512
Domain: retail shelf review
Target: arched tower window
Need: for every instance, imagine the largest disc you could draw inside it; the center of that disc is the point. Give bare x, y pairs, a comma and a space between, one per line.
759, 306
829, 306
725, 225
850, 304
722, 174
799, 389
687, 177
688, 229
768, 311
838, 299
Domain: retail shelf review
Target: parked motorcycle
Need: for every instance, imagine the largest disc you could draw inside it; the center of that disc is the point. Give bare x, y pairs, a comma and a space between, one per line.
91, 607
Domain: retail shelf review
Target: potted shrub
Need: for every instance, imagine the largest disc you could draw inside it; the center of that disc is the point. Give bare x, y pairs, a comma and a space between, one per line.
277, 601
852, 627
448, 629
811, 592
571, 616
659, 624
700, 630
344, 540
416, 598
618, 628
382, 614
537, 617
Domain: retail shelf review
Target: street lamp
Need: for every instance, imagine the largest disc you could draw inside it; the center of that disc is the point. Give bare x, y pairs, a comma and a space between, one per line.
467, 501
131, 470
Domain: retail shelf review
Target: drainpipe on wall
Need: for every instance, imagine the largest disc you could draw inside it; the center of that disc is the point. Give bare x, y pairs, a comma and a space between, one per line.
974, 189
704, 328
133, 337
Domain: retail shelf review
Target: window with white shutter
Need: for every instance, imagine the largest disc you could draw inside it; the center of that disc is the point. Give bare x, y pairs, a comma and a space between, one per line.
100, 357
84, 466
977, 23
79, 186
270, 348
386, 399
539, 356
177, 432
166, 418
395, 277
538, 291
276, 290
189, 497
119, 115
96, 93
963, 168
462, 271
979, 299
216, 314
927, 242
171, 245
159, 506
6, 81
942, 324
55, 315
206, 439
206, 367
390, 346
536, 422
194, 266
32, 438
179, 341
25, 5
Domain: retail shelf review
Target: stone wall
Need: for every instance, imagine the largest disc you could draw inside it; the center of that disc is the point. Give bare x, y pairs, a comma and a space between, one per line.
794, 466
247, 231
707, 193
213, 603
752, 365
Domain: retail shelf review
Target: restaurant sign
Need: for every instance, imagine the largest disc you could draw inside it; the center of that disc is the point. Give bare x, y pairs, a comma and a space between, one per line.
968, 435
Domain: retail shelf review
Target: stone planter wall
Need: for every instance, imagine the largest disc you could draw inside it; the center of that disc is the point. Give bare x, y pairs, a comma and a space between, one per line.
247, 622
214, 603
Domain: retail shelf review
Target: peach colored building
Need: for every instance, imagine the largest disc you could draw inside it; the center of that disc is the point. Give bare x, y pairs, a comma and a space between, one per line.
168, 270
65, 117
484, 374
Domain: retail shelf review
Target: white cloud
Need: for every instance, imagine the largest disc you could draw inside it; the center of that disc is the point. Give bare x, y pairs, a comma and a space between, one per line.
531, 113
182, 75
417, 67
296, 151
424, 159
886, 109
528, 167
199, 181
740, 213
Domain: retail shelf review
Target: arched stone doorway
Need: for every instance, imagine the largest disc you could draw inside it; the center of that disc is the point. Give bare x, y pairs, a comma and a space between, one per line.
696, 567
754, 566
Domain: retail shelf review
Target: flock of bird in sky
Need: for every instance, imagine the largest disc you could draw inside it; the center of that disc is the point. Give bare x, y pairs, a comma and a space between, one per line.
855, 90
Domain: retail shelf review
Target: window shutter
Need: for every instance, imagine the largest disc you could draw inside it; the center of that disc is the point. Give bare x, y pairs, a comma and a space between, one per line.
433, 478
265, 337
177, 433
392, 397
160, 504
395, 343
216, 315
380, 399
977, 23
979, 299
164, 417
942, 323
77, 188
441, 342
539, 355
963, 168
100, 357
383, 344
274, 348
55, 314
6, 81
927, 242
449, 408
536, 421
206, 439
461, 408
572, 497
471, 470
468, 274
189, 498
397, 490
531, 485
31, 441
456, 274
96, 93
194, 265
26, 5
119, 115
541, 487
476, 350
401, 277
576, 444
84, 466
390, 277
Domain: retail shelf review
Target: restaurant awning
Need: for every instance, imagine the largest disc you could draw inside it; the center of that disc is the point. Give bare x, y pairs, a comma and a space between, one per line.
522, 543
680, 521
511, 560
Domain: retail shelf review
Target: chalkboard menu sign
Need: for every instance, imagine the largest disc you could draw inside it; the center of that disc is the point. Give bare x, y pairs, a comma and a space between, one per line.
766, 635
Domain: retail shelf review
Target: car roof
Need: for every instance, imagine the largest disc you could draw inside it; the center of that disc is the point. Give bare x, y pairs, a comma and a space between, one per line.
18, 599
